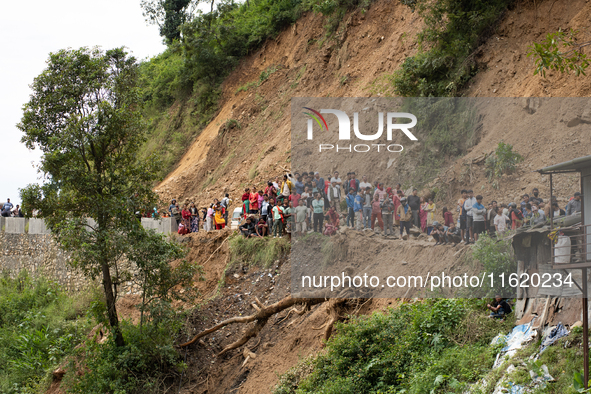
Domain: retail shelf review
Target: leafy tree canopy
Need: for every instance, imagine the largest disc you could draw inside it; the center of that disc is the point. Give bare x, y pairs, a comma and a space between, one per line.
169, 15
83, 114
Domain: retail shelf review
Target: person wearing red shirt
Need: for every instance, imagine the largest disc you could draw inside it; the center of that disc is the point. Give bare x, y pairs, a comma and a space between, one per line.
447, 217
246, 201
295, 198
254, 201
271, 191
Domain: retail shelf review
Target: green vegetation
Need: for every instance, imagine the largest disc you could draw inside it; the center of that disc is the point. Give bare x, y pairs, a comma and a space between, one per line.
563, 359
169, 15
43, 327
444, 62
180, 87
84, 115
560, 52
503, 161
436, 346
257, 252
247, 86
39, 325
334, 11
147, 363
290, 380
265, 74
496, 257
191, 70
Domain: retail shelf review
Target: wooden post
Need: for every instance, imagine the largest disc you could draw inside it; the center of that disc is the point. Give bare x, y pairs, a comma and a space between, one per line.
585, 294
585, 330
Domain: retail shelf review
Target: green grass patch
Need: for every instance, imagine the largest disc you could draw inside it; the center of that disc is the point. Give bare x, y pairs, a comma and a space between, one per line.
40, 325
246, 86
257, 252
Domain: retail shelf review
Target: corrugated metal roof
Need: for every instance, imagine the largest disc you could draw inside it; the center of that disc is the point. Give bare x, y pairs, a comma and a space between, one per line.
572, 165
564, 223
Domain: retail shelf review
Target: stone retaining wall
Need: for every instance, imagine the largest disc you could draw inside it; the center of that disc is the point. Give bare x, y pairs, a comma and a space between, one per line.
40, 255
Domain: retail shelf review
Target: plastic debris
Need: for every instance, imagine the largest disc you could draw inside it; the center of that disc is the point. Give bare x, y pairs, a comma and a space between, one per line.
557, 332
515, 340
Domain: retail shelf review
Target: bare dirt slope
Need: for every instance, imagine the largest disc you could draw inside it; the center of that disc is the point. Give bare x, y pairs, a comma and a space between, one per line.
508, 72
226, 158
288, 337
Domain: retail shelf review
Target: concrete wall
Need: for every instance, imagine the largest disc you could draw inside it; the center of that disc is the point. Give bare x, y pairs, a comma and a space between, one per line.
15, 225
37, 226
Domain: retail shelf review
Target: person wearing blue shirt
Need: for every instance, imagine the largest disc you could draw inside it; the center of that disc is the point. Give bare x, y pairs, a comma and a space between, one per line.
7, 208
172, 206
351, 208
319, 181
299, 185
358, 209
478, 217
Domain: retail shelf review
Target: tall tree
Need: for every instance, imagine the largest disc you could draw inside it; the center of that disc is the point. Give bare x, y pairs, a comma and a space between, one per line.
169, 15
83, 115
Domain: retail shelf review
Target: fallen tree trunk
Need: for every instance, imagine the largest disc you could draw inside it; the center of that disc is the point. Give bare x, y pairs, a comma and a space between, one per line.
261, 317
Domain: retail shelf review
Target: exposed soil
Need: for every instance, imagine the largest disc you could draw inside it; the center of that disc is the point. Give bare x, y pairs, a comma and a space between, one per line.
283, 342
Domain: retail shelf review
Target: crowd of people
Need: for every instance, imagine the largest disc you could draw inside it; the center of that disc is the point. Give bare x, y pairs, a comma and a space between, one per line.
9, 210
308, 202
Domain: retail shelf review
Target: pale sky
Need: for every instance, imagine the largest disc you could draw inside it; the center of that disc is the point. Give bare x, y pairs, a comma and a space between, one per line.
29, 31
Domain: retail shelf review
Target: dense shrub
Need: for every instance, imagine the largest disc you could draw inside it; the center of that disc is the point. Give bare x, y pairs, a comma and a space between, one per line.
497, 258
148, 363
160, 78
453, 29
418, 348
503, 161
213, 43
39, 326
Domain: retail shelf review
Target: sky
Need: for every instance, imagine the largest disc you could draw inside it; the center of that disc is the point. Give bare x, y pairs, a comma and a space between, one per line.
29, 31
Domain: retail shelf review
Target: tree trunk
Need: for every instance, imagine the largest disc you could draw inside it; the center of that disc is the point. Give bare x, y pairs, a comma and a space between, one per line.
111, 309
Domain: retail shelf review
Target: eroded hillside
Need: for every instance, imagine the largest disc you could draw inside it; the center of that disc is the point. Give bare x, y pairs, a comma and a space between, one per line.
249, 141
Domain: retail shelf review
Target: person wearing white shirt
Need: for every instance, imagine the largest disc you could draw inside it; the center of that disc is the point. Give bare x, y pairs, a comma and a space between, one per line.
500, 221
364, 183
334, 196
336, 180
468, 204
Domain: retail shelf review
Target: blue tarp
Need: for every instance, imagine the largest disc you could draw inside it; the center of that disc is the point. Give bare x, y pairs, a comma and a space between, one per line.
557, 332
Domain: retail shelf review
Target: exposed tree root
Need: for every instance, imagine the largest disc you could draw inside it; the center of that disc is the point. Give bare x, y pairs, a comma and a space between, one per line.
260, 317
294, 310
335, 309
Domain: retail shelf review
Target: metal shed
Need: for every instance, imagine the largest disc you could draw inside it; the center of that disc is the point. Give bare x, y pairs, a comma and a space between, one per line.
575, 252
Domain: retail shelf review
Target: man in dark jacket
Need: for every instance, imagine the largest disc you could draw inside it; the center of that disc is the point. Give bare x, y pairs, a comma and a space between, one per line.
499, 308
414, 202
248, 229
